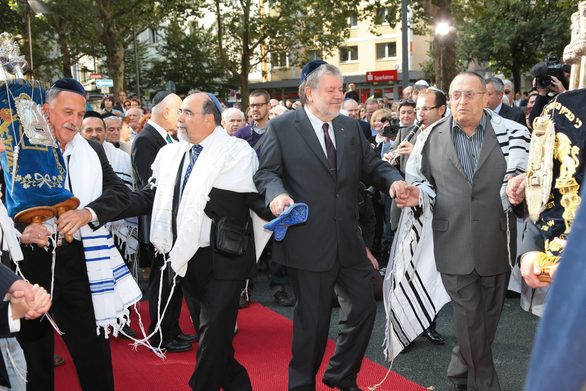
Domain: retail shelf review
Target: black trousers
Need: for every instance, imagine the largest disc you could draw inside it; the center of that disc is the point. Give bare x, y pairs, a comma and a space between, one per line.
311, 320
73, 312
216, 367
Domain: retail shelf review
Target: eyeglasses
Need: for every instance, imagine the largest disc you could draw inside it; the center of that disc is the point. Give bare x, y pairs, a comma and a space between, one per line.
456, 95
507, 92
426, 109
187, 113
408, 102
257, 105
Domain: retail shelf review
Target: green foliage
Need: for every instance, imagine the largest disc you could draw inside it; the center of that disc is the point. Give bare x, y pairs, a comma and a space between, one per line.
188, 58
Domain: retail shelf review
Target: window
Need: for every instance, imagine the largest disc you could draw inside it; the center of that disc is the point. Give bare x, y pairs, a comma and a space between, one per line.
349, 53
280, 60
314, 55
352, 21
381, 15
153, 35
386, 50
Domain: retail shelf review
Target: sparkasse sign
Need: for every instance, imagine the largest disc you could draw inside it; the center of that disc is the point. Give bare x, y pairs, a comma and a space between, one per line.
382, 76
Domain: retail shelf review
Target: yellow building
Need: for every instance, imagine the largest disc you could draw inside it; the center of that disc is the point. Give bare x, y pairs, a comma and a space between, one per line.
364, 59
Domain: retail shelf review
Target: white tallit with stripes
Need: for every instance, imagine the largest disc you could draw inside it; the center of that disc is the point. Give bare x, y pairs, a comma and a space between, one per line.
112, 287
413, 291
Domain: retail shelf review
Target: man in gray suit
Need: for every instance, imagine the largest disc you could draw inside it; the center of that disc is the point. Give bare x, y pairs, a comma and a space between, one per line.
316, 156
494, 93
462, 162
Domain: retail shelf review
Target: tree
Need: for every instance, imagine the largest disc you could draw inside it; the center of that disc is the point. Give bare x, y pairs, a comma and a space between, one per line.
189, 59
248, 31
513, 35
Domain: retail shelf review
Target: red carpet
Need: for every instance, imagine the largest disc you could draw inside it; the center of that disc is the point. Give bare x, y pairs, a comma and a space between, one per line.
263, 346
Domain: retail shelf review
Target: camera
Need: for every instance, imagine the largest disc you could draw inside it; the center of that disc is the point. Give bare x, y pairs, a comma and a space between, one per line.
543, 71
391, 128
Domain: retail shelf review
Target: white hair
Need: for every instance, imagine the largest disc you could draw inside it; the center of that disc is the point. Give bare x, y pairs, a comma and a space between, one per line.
229, 111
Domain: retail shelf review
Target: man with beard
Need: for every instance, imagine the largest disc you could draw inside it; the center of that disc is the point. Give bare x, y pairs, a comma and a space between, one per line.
259, 108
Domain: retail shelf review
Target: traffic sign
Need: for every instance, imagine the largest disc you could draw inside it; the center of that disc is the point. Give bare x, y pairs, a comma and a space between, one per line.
104, 83
96, 75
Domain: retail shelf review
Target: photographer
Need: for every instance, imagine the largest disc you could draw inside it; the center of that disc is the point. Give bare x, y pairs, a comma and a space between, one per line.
550, 79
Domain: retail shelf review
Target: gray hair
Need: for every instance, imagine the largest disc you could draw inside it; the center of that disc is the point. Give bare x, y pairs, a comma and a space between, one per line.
52, 94
112, 118
229, 111
498, 84
312, 80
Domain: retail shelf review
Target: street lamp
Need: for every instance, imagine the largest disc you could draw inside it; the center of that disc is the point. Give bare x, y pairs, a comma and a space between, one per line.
442, 29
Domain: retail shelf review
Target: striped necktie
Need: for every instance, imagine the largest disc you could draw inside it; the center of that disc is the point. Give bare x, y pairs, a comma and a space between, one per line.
330, 149
195, 151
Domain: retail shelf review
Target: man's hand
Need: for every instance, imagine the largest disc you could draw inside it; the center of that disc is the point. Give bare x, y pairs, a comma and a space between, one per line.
556, 85
404, 194
405, 148
280, 203
35, 233
72, 220
516, 189
530, 270
25, 289
372, 259
30, 309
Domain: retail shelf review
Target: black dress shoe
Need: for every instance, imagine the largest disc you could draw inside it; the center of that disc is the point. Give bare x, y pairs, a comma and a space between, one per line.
127, 332
331, 384
189, 338
434, 336
460, 387
176, 346
282, 298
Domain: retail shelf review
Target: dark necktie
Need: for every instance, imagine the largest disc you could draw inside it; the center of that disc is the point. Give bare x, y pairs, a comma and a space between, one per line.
195, 151
330, 149
169, 139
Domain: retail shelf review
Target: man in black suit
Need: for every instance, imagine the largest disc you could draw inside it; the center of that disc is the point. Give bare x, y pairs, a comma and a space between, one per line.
494, 93
145, 147
316, 156
73, 307
206, 163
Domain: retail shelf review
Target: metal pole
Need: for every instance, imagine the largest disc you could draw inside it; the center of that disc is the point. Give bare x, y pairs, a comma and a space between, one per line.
405, 43
30, 37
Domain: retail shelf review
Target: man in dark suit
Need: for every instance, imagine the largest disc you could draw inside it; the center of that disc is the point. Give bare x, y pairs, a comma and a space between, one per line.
155, 135
464, 165
494, 93
73, 307
316, 156
351, 107
185, 174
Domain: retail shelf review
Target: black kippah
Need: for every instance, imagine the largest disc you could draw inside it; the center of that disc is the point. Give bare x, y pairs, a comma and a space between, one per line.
92, 114
310, 67
159, 97
71, 85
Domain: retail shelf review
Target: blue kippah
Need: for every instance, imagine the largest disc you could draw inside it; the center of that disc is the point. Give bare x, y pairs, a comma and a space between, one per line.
295, 214
216, 101
310, 67
71, 85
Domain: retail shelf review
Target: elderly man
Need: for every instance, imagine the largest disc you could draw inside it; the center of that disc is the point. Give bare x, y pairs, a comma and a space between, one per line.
316, 156
83, 313
351, 107
494, 101
464, 161
232, 120
113, 126
134, 114
195, 191
154, 136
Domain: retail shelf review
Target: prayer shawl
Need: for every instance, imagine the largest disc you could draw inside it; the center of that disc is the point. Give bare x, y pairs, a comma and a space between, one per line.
125, 231
226, 163
413, 291
112, 287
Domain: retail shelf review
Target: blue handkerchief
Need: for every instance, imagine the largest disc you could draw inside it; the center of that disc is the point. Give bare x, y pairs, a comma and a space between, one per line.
294, 214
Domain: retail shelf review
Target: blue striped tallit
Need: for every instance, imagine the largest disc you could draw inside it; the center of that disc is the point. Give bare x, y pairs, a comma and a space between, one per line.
112, 287
413, 292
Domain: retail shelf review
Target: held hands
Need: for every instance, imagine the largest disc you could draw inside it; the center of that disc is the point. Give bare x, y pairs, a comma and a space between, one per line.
404, 194
280, 203
72, 220
516, 189
36, 233
28, 301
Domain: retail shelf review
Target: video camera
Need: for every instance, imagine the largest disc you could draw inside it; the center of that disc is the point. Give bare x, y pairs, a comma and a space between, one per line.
543, 71
392, 128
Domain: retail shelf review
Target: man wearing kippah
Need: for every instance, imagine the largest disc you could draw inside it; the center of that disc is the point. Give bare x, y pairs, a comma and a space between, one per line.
91, 286
315, 156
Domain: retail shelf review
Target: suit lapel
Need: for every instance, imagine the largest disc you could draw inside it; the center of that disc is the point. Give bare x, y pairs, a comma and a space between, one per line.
305, 129
488, 144
340, 135
445, 136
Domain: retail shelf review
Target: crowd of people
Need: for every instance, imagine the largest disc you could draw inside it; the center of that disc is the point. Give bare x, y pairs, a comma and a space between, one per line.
183, 192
